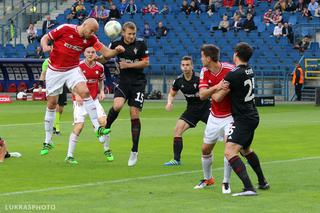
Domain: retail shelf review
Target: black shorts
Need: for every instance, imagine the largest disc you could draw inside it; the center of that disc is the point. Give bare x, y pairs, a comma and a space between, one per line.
62, 99
133, 92
242, 132
193, 115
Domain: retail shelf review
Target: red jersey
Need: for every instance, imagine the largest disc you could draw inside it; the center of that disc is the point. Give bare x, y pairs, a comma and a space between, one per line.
94, 74
209, 79
67, 47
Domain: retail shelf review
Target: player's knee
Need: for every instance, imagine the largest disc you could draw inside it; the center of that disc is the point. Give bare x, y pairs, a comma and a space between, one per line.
177, 131
103, 121
84, 93
52, 105
134, 113
206, 149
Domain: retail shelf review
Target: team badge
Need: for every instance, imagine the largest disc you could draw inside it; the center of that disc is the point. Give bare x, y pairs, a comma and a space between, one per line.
97, 72
70, 36
135, 50
84, 41
195, 85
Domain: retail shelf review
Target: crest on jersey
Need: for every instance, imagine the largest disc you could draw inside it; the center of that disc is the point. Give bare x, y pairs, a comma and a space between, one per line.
182, 86
84, 41
195, 85
135, 50
97, 72
70, 36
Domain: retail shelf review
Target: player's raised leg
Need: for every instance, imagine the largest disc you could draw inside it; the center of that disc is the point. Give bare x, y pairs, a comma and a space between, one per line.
180, 128
105, 139
82, 90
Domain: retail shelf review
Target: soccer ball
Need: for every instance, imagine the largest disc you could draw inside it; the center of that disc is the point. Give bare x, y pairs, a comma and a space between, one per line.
112, 29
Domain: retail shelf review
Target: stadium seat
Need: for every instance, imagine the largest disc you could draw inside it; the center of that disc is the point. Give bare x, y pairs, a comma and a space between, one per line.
22, 86
12, 87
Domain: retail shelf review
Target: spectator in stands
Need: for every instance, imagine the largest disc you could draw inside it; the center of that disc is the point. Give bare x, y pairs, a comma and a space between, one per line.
185, 7
211, 8
104, 14
204, 2
39, 53
250, 9
228, 3
301, 4
224, 25
194, 7
303, 44
114, 12
297, 81
123, 6
313, 5
146, 10
281, 5
81, 13
287, 32
147, 31
291, 7
47, 25
306, 13
165, 10
277, 32
317, 12
277, 17
237, 25
94, 12
154, 9
72, 14
131, 8
218, 3
267, 17
248, 24
161, 30
240, 12
32, 33
92, 2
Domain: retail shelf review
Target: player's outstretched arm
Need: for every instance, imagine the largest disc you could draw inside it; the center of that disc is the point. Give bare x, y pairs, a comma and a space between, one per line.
108, 53
44, 43
170, 99
136, 65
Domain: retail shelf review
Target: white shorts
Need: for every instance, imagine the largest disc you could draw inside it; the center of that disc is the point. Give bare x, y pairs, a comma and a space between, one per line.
80, 113
55, 80
217, 129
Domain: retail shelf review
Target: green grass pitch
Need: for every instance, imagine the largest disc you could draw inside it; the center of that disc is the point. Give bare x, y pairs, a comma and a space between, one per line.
287, 142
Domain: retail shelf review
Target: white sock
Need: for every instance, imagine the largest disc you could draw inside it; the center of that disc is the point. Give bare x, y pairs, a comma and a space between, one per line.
227, 171
91, 109
48, 124
207, 166
72, 144
106, 143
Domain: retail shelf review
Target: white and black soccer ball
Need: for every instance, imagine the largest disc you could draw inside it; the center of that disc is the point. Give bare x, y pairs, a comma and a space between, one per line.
112, 29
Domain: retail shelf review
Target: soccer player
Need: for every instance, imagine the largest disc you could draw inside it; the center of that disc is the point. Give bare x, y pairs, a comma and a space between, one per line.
220, 118
94, 73
132, 83
69, 41
4, 152
197, 110
62, 99
240, 85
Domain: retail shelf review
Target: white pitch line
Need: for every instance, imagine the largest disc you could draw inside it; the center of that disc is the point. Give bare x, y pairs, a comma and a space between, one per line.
140, 178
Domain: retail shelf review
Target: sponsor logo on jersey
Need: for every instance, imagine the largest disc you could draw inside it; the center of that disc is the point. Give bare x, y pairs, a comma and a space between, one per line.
76, 48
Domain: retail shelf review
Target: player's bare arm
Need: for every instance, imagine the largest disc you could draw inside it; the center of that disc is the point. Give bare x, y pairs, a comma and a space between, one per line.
101, 89
170, 99
223, 90
44, 43
206, 93
108, 53
137, 65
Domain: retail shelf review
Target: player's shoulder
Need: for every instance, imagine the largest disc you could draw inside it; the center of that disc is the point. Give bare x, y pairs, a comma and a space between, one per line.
179, 77
140, 40
99, 65
67, 27
227, 65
